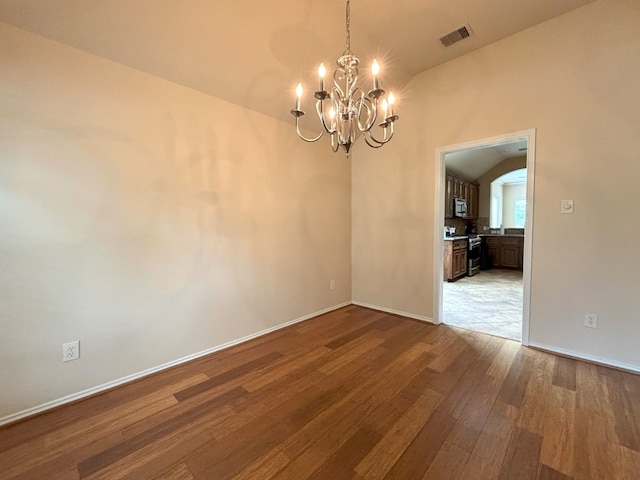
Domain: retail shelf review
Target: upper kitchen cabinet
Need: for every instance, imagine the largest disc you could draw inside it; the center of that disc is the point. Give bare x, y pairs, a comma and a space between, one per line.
448, 197
456, 187
473, 200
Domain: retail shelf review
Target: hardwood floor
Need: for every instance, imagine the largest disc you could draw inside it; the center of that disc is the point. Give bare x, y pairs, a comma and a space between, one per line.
353, 394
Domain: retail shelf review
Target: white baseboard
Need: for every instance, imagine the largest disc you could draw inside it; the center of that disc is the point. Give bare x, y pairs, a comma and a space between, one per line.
395, 312
588, 358
121, 381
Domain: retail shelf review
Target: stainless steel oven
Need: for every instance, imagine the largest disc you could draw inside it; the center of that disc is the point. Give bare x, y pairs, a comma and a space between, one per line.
473, 255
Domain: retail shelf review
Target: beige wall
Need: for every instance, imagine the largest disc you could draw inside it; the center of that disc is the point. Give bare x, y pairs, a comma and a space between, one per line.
152, 222
149, 221
484, 182
574, 79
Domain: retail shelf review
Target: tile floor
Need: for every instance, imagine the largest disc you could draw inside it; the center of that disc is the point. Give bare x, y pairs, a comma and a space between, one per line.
489, 302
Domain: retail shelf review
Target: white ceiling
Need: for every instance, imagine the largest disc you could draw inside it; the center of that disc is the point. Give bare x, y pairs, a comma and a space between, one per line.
475, 162
253, 53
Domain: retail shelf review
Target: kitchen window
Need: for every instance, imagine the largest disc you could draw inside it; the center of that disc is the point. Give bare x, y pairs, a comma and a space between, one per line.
520, 213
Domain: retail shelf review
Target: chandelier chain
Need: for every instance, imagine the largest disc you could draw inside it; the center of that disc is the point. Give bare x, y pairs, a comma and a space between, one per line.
348, 17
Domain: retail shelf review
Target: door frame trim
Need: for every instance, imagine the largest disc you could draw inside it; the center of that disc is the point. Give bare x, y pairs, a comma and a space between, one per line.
438, 270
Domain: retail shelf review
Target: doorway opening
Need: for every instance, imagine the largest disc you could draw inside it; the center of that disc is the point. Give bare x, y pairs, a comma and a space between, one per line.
486, 286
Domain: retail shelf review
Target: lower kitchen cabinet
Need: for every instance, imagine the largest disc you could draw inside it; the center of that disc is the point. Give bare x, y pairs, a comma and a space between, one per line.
455, 259
505, 252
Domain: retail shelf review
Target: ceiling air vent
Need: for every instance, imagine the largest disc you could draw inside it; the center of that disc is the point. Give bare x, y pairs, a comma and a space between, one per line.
457, 35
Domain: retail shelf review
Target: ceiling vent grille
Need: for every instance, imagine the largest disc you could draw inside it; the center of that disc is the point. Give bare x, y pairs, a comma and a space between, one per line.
457, 35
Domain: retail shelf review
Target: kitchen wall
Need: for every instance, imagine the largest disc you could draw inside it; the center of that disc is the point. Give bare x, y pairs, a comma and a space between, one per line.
573, 79
458, 223
149, 221
484, 181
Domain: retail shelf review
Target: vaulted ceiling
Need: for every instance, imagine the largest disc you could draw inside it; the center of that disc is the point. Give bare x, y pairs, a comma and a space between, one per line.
253, 53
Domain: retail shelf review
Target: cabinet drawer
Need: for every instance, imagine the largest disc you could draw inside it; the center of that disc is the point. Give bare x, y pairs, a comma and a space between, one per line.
492, 240
460, 244
511, 240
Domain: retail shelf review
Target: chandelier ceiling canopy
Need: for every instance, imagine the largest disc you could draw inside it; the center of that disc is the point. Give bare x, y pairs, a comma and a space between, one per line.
345, 111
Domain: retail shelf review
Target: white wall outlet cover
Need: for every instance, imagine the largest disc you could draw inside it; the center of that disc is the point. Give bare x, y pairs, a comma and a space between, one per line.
591, 320
566, 206
70, 351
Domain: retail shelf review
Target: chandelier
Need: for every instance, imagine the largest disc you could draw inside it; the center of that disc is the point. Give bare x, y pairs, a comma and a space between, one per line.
345, 111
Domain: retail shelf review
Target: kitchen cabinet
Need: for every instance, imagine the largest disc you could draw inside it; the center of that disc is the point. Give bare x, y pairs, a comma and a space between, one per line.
473, 200
494, 251
456, 187
505, 251
448, 197
455, 259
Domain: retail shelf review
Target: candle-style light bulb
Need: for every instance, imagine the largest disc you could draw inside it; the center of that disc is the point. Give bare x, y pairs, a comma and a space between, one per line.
332, 117
375, 70
322, 71
392, 100
298, 95
385, 106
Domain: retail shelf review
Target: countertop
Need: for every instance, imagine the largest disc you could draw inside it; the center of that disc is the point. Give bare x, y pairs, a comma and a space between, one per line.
515, 235
466, 237
457, 237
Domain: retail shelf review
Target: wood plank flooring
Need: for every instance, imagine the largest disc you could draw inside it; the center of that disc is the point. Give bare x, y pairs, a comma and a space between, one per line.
353, 394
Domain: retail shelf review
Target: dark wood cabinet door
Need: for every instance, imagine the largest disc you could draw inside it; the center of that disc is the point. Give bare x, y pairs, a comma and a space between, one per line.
459, 263
521, 254
463, 262
510, 256
473, 201
448, 261
494, 255
494, 249
448, 197
465, 193
455, 259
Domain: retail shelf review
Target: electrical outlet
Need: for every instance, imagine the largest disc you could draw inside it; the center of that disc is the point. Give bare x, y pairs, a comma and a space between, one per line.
332, 285
591, 320
71, 351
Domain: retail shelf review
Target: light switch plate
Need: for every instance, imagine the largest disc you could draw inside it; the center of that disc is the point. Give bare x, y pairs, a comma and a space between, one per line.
566, 206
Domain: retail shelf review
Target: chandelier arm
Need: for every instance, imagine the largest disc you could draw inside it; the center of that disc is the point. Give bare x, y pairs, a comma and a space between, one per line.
371, 119
337, 86
360, 105
354, 85
321, 116
334, 145
385, 138
369, 136
310, 140
354, 133
372, 145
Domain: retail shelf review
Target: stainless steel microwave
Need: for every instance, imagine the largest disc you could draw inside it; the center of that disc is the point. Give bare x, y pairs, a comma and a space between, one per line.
459, 207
